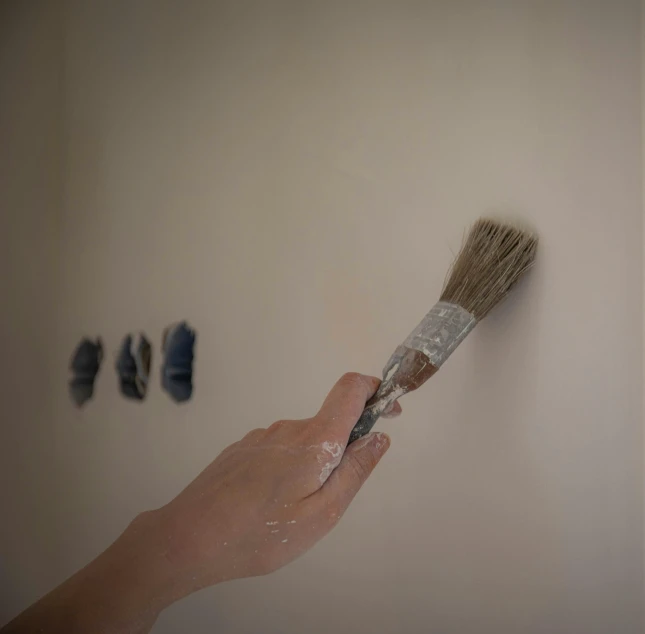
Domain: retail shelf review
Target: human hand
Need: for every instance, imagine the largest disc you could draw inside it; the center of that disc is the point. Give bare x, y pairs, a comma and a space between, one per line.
268, 498
260, 504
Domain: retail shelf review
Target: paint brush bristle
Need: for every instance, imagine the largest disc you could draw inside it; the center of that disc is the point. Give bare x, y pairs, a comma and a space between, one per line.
492, 259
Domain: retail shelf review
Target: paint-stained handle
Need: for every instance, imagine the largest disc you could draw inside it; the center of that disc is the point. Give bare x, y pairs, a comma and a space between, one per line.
406, 370
372, 412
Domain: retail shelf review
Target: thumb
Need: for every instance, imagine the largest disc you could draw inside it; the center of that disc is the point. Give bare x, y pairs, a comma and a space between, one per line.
357, 464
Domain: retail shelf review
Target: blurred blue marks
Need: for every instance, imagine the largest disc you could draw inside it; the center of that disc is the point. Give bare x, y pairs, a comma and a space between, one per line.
85, 364
133, 366
177, 368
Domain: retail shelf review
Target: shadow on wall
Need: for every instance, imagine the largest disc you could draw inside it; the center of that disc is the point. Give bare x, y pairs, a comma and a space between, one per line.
506, 485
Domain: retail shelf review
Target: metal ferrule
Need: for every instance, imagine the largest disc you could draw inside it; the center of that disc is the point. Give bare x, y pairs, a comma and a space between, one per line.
441, 331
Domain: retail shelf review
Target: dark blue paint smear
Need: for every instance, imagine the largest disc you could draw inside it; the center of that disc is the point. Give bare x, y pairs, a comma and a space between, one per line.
177, 367
85, 365
133, 367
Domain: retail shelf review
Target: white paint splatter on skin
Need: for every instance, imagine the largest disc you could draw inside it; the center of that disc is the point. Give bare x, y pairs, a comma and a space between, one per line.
284, 541
335, 449
292, 522
381, 439
272, 523
364, 441
379, 436
277, 531
333, 453
325, 473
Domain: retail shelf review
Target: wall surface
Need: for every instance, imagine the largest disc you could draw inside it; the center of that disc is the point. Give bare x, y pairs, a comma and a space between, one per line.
292, 178
31, 101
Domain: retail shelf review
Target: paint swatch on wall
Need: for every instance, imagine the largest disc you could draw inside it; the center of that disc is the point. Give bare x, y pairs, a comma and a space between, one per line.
177, 367
85, 365
133, 366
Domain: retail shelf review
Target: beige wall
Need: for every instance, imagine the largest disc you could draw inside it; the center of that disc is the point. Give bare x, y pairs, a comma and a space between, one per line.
291, 177
31, 101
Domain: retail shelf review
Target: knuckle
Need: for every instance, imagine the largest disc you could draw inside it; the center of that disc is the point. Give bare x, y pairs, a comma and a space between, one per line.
253, 436
278, 425
352, 379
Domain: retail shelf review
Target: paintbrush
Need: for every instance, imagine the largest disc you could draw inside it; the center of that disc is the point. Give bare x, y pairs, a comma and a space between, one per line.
493, 257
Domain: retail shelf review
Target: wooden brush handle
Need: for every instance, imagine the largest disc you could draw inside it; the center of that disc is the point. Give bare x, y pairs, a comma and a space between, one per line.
406, 371
372, 412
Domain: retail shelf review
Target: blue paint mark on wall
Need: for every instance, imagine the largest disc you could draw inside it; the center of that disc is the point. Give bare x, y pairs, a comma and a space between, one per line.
133, 366
177, 367
85, 365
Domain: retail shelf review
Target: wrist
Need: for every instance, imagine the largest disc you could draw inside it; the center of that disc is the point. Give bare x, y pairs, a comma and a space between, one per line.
138, 562
129, 583
154, 562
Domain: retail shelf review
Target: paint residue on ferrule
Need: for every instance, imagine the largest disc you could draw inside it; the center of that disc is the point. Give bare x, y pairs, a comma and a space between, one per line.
441, 331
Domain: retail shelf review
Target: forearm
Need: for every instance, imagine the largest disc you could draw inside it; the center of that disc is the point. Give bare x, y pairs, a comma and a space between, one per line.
121, 591
263, 502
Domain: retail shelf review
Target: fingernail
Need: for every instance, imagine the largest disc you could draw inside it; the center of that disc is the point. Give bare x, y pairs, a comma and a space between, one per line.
381, 442
364, 441
377, 439
390, 412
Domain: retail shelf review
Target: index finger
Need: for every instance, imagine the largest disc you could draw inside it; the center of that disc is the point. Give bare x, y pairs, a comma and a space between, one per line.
345, 403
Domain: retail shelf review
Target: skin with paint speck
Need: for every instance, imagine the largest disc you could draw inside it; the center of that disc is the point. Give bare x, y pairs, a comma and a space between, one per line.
323, 477
298, 474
